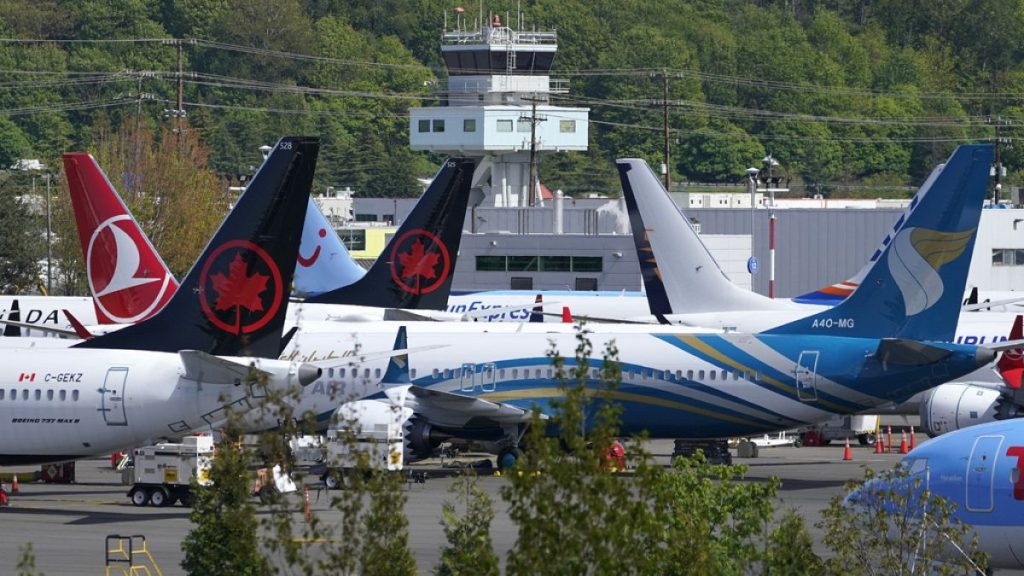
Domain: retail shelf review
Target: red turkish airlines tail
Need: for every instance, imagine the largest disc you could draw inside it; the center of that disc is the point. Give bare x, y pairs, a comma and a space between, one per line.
128, 279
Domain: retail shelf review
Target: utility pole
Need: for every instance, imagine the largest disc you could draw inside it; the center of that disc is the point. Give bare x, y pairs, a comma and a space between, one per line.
531, 195
664, 106
181, 90
998, 170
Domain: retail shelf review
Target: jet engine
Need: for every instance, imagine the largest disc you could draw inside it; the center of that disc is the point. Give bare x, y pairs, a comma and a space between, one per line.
419, 438
954, 406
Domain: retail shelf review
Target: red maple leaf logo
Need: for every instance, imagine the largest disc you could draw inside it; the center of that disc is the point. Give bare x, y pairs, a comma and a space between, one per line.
238, 289
417, 262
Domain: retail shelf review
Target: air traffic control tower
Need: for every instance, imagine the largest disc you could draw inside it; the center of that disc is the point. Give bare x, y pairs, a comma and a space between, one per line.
498, 107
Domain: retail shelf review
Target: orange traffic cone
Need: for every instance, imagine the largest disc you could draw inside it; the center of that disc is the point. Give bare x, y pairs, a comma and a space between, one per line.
912, 438
847, 454
879, 447
307, 512
14, 485
903, 444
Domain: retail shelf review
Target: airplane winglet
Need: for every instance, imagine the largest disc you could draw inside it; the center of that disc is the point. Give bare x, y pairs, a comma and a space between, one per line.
12, 330
1011, 361
80, 330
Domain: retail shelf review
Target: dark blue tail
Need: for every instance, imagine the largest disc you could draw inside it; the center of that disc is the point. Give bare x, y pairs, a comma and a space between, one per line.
233, 300
415, 270
914, 289
398, 367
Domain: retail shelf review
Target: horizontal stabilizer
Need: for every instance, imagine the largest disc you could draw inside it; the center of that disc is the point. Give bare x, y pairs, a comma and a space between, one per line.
909, 352
450, 409
62, 332
209, 369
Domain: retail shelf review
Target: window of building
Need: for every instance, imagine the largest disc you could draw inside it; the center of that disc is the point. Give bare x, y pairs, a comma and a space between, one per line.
1007, 257
423, 126
521, 283
438, 125
469, 125
586, 284
522, 264
555, 263
567, 126
353, 239
504, 125
587, 264
490, 263
523, 125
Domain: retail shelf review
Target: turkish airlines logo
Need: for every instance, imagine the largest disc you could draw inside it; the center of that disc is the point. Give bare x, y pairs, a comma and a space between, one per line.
240, 287
122, 288
915, 259
419, 262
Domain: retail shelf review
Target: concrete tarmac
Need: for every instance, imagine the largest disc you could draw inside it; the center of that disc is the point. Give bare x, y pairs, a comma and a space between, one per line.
67, 524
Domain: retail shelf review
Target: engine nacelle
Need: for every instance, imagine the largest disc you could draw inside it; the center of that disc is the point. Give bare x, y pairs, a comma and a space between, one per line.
421, 439
954, 406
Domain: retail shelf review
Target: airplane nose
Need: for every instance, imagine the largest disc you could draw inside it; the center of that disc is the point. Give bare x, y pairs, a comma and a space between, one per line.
308, 373
983, 356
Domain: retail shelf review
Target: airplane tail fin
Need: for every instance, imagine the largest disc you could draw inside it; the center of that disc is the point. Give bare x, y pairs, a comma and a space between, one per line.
128, 279
324, 263
398, 367
690, 280
915, 286
1011, 362
835, 293
537, 314
233, 300
415, 270
14, 314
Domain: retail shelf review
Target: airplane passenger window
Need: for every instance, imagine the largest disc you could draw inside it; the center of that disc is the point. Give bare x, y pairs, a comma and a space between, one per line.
63, 395
341, 372
689, 374
14, 394
501, 374
74, 395
39, 394
2, 393
376, 373
436, 373
49, 394
366, 373
700, 375
725, 375
24, 394
330, 372
515, 373
712, 374
536, 374
447, 374
412, 373
551, 373
679, 374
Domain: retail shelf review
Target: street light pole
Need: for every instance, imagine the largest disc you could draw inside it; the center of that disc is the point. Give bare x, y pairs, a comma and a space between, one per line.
49, 241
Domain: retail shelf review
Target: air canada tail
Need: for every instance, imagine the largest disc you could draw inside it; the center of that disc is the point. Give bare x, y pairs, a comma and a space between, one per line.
323, 264
914, 288
233, 300
415, 270
688, 279
128, 279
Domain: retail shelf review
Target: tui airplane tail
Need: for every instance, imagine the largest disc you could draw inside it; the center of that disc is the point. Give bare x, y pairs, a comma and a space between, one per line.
233, 300
914, 288
324, 264
415, 270
128, 279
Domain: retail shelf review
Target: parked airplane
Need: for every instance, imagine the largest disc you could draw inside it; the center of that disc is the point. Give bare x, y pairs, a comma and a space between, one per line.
979, 469
182, 368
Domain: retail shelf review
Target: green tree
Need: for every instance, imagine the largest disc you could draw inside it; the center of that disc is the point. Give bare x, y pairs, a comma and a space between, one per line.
22, 243
790, 549
469, 550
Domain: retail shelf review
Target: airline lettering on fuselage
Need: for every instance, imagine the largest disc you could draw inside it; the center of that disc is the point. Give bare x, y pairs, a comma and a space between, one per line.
972, 340
315, 356
832, 323
35, 316
520, 314
1018, 486
45, 420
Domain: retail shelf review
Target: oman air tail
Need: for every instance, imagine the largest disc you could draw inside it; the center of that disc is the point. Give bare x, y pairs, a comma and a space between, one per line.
691, 281
914, 288
128, 279
835, 293
233, 300
324, 264
415, 270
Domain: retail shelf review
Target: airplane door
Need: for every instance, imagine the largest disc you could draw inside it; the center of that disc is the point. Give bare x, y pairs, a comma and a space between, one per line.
806, 373
112, 397
981, 467
487, 377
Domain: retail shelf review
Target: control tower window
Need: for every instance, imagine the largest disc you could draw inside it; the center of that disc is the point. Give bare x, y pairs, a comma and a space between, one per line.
567, 126
504, 125
469, 125
423, 126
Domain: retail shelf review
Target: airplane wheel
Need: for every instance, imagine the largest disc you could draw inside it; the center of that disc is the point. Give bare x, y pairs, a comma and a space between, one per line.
508, 457
159, 497
139, 496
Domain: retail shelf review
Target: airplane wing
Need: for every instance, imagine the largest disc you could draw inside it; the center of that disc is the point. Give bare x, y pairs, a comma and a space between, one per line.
455, 410
210, 369
369, 356
972, 307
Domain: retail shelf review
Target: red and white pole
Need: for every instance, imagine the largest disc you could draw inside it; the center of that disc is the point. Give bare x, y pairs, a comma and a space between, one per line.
771, 254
